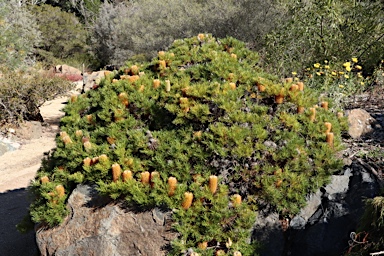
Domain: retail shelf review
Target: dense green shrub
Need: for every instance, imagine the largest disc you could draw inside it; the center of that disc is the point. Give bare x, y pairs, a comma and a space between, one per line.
23, 92
201, 110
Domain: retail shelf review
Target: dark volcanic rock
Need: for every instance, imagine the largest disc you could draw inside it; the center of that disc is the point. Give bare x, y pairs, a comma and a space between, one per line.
323, 227
98, 227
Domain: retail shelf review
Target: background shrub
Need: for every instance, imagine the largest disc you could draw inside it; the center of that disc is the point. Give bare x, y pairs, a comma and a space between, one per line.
143, 27
314, 31
22, 93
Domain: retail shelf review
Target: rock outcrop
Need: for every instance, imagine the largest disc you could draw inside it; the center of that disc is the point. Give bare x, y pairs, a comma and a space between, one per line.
96, 226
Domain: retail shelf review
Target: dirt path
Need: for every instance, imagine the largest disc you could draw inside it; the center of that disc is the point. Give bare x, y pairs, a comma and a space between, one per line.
18, 167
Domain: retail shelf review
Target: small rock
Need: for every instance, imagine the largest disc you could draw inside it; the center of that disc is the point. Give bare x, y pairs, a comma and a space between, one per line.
359, 122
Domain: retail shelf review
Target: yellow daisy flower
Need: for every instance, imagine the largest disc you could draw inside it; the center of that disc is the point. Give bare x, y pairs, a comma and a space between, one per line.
333, 73
317, 65
348, 68
359, 67
341, 86
294, 73
362, 83
347, 64
354, 60
326, 66
341, 72
318, 73
346, 76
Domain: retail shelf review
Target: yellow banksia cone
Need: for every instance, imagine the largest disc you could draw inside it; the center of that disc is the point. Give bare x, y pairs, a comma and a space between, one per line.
106, 72
133, 78
134, 69
145, 177
73, 98
203, 245
79, 133
141, 89
127, 175
294, 87
313, 114
324, 105
187, 202
232, 86
44, 179
278, 183
156, 83
200, 37
340, 115
89, 118
329, 127
162, 64
60, 190
220, 253
329, 138
289, 80
123, 97
167, 85
260, 87
161, 54
233, 55
279, 98
67, 140
154, 175
237, 253
87, 161
94, 160
301, 86
103, 158
172, 185
116, 172
236, 200
213, 183
300, 109
87, 145
63, 134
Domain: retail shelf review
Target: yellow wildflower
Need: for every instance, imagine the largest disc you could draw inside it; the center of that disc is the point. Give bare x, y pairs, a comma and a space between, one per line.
325, 61
333, 73
318, 73
348, 68
354, 60
359, 75
347, 64
341, 72
296, 79
317, 65
308, 69
362, 83
326, 66
359, 67
346, 76
341, 86
294, 73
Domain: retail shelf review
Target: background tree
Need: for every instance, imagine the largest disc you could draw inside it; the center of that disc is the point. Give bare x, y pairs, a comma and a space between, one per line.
63, 36
19, 35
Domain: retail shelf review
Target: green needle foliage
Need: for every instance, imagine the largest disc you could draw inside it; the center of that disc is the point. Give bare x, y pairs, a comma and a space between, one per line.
192, 112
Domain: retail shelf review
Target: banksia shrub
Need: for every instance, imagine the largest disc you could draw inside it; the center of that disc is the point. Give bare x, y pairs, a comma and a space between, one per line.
214, 123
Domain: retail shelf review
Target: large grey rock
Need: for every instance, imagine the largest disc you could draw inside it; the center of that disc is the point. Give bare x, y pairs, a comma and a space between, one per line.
98, 227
